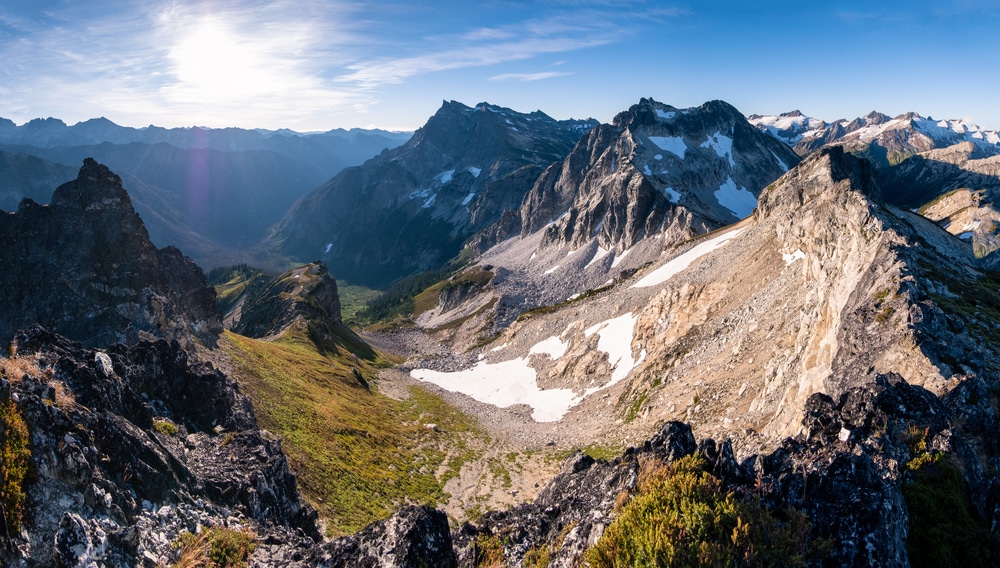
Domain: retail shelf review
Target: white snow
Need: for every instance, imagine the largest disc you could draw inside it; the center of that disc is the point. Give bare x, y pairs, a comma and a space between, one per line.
445, 177
615, 339
419, 193
553, 347
966, 235
792, 257
665, 114
430, 202
675, 266
619, 258
723, 146
475, 171
673, 144
646, 170
551, 270
658, 157
738, 200
783, 165
672, 194
328, 247
601, 253
505, 384
468, 198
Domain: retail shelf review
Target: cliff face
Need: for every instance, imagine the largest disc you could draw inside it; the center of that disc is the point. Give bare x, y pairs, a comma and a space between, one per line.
84, 267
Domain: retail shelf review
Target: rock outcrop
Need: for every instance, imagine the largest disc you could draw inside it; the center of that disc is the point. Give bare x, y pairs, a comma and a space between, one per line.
307, 293
133, 445
84, 267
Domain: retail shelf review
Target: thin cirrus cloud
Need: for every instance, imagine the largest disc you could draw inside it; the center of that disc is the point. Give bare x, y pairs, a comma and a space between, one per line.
529, 76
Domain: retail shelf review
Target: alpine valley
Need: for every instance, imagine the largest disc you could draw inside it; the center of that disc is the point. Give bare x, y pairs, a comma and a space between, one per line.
685, 338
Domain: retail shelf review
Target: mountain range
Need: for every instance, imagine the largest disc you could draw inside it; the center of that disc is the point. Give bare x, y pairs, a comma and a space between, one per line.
799, 316
213, 192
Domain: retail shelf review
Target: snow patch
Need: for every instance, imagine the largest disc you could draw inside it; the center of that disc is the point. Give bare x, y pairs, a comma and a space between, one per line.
646, 170
615, 339
738, 200
790, 258
475, 171
619, 258
551, 270
672, 194
783, 165
430, 202
675, 266
658, 157
445, 177
673, 144
601, 253
665, 114
505, 384
553, 347
468, 198
723, 146
966, 236
328, 247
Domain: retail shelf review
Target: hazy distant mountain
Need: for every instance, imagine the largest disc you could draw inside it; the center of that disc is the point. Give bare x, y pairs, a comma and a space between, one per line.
410, 209
330, 151
212, 192
22, 175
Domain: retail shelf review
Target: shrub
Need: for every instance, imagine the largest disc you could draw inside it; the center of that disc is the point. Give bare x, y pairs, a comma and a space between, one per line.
681, 517
943, 529
217, 547
15, 460
489, 552
165, 427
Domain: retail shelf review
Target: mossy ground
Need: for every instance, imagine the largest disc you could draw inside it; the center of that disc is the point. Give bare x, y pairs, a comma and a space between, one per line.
358, 454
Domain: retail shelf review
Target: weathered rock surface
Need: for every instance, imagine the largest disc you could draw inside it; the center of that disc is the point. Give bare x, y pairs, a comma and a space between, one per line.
133, 445
84, 267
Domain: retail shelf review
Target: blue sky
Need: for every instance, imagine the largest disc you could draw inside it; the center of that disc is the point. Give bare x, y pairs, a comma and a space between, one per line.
317, 65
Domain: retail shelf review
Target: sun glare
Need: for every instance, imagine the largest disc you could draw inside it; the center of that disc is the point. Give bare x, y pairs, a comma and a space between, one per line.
216, 62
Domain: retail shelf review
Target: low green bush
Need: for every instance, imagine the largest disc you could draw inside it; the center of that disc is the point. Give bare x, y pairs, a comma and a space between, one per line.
680, 516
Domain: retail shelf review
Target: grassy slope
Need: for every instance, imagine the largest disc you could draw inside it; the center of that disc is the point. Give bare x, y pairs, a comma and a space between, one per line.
358, 453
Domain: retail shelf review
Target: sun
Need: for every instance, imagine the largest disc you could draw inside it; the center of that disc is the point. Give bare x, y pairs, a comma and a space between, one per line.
215, 62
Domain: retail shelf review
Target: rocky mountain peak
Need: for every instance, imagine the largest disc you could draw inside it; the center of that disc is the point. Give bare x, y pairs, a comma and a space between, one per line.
96, 187
657, 170
821, 176
456, 175
85, 268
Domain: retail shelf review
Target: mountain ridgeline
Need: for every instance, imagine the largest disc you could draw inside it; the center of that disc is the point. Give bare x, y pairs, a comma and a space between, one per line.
411, 208
211, 192
786, 325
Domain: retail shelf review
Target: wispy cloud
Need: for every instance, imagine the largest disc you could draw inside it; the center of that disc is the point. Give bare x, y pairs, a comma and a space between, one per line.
529, 76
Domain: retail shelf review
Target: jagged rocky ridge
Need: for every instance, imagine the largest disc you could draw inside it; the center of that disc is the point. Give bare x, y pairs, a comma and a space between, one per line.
655, 171
883, 139
921, 162
410, 209
84, 267
846, 472
133, 445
